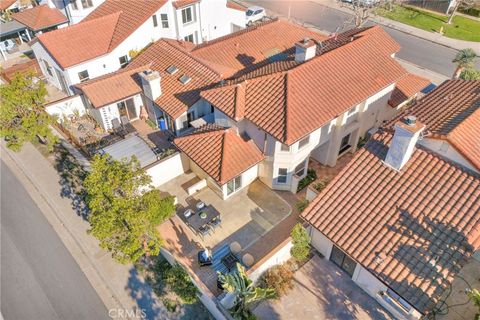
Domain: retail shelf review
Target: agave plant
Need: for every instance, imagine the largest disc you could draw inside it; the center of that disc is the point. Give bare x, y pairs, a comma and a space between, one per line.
245, 292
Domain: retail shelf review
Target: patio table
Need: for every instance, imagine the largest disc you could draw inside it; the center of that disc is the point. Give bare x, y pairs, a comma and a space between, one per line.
196, 221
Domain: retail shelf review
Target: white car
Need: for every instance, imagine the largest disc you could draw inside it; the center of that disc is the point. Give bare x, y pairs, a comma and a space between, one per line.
8, 45
254, 14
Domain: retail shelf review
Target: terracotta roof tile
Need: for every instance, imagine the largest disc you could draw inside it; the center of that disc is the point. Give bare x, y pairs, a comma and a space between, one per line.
290, 104
221, 153
452, 112
40, 17
5, 4
100, 32
112, 87
235, 6
406, 88
176, 97
413, 229
183, 3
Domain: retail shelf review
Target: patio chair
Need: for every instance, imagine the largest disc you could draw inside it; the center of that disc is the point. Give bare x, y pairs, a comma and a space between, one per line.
124, 120
216, 222
188, 213
200, 205
204, 258
204, 231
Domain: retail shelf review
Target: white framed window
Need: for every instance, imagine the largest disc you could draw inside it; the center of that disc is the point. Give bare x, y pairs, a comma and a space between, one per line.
187, 15
399, 301
74, 4
284, 147
87, 4
154, 19
300, 168
83, 75
48, 68
352, 111
123, 61
303, 142
345, 144
282, 175
164, 19
189, 38
233, 185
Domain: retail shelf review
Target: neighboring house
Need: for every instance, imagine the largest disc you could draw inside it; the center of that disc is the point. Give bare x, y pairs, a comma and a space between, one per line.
40, 19
403, 217
75, 10
105, 40
10, 5
294, 98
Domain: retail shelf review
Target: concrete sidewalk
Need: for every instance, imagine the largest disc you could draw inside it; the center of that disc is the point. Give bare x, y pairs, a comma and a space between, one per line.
119, 286
430, 36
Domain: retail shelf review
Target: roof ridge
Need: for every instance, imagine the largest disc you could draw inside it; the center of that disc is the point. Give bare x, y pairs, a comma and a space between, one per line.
235, 34
188, 54
118, 13
222, 153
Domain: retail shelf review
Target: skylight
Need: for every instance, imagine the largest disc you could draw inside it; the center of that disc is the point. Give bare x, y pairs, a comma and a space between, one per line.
185, 79
172, 69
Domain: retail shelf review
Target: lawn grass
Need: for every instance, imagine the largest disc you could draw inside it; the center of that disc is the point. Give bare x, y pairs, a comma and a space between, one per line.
462, 28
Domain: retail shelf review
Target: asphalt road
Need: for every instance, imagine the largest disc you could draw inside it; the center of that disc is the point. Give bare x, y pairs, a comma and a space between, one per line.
39, 278
421, 52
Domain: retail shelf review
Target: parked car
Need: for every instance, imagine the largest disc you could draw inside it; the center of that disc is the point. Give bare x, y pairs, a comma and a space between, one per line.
254, 14
8, 45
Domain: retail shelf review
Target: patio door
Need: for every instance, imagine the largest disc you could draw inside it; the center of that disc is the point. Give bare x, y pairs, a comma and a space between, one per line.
132, 112
233, 185
62, 81
345, 263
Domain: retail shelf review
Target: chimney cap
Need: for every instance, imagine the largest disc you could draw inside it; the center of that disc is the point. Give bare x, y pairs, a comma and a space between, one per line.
306, 43
410, 120
410, 124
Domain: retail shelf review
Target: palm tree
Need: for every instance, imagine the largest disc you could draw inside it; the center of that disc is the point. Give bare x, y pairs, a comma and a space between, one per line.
244, 292
464, 59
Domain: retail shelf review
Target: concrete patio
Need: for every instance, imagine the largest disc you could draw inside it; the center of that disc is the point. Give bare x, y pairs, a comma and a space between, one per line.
322, 291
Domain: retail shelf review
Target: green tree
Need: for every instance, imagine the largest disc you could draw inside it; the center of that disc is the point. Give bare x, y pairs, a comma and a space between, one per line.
124, 209
301, 243
465, 59
245, 292
470, 74
474, 296
22, 117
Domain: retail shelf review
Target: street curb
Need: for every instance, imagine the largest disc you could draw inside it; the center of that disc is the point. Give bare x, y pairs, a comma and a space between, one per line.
71, 238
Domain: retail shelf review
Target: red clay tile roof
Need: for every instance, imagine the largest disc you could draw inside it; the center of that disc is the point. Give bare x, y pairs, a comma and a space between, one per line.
406, 88
5, 4
291, 104
112, 87
25, 67
100, 32
413, 229
452, 112
221, 153
176, 97
183, 3
246, 48
235, 6
40, 17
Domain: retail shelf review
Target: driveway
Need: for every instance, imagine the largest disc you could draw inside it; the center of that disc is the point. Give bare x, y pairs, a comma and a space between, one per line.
322, 291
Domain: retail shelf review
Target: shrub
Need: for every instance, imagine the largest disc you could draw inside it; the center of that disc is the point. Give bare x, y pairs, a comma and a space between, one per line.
319, 186
179, 281
302, 205
309, 178
278, 278
170, 305
301, 243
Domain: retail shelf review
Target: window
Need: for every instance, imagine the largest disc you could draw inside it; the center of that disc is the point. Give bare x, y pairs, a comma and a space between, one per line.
155, 22
83, 75
303, 142
282, 175
233, 185
48, 68
398, 300
344, 145
352, 111
189, 38
87, 4
346, 263
300, 168
164, 18
187, 15
284, 147
74, 5
123, 61
184, 79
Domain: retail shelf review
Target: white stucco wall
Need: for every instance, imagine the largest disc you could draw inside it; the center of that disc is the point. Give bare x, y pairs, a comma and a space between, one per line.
168, 168
247, 177
75, 16
444, 148
66, 107
280, 256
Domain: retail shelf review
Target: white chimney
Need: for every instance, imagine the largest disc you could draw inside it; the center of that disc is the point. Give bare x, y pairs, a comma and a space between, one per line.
305, 50
407, 132
151, 84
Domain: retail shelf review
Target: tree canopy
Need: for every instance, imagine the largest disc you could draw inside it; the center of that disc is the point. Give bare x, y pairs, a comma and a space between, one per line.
22, 118
124, 209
